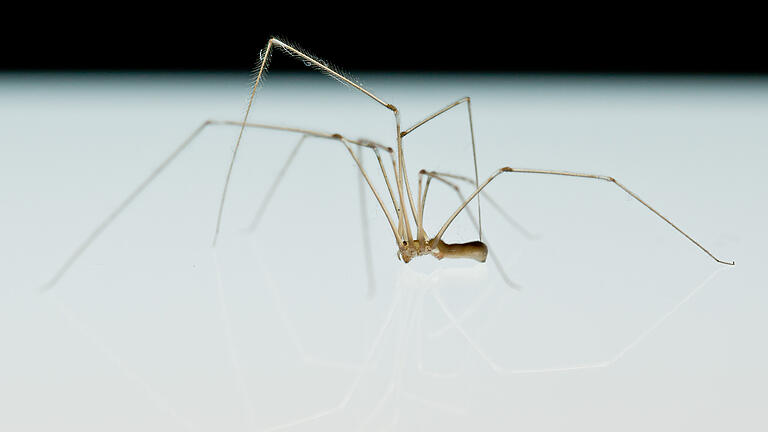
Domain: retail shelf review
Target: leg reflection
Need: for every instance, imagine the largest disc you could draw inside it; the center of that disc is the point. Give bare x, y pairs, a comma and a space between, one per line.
594, 365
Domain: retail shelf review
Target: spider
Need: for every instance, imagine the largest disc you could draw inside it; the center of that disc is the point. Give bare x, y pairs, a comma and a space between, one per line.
405, 218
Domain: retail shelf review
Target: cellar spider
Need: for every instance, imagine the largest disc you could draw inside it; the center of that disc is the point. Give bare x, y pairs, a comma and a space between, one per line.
411, 241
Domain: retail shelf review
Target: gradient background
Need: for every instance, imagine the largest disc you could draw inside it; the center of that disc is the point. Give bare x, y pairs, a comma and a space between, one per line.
619, 322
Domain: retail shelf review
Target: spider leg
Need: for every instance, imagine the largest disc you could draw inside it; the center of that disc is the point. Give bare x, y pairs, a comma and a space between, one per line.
569, 174
400, 172
366, 230
446, 108
107, 221
510, 220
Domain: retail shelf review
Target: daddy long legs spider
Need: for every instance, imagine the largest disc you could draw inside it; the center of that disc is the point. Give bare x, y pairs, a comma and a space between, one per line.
405, 216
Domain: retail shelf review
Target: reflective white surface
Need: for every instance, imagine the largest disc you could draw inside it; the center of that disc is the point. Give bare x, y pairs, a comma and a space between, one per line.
619, 322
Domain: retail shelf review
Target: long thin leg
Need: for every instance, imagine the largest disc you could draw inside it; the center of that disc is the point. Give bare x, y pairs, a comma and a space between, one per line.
73, 257
401, 175
510, 220
275, 183
346, 141
119, 209
363, 211
366, 230
422, 203
384, 174
568, 174
448, 107
335, 137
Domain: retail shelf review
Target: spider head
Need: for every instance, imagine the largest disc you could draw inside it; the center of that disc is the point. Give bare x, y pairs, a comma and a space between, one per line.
407, 252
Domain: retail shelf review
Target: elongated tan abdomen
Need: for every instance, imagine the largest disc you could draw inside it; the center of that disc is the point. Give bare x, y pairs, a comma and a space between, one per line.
475, 250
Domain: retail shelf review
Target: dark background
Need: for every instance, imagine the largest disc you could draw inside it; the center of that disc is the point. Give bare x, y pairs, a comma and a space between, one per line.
223, 42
